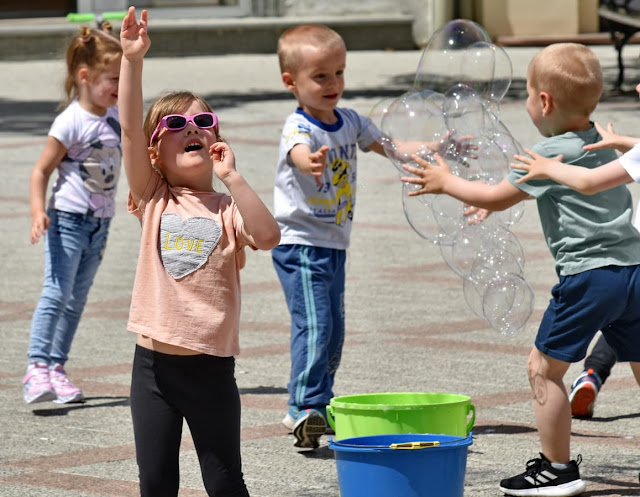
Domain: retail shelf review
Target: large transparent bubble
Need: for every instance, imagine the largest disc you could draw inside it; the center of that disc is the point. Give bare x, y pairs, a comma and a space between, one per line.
466, 246
376, 114
487, 69
441, 64
449, 214
453, 109
482, 159
420, 216
508, 303
484, 271
413, 124
464, 112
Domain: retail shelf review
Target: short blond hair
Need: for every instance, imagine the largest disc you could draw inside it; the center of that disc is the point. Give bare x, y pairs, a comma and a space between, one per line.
571, 74
293, 39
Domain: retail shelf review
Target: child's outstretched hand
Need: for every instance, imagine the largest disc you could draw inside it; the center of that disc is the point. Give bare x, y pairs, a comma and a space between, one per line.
475, 215
317, 163
536, 165
431, 177
224, 161
610, 139
133, 35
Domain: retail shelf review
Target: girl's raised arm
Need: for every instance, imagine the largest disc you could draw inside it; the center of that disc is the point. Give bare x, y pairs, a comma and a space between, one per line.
135, 44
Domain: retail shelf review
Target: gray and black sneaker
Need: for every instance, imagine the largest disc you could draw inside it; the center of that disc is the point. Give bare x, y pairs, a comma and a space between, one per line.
543, 480
310, 426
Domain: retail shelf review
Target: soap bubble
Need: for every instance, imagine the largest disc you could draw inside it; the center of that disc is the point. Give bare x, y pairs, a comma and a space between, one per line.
485, 270
419, 214
413, 124
376, 114
483, 160
448, 214
510, 216
453, 110
487, 69
441, 63
508, 303
464, 112
467, 244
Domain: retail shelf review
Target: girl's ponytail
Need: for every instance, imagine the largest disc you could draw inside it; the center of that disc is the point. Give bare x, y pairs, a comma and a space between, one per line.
92, 49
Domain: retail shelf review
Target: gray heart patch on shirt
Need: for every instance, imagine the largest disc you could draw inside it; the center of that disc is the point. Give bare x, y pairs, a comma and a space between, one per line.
186, 245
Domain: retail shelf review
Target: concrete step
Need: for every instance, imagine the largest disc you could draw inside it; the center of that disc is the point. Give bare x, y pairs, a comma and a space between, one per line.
31, 39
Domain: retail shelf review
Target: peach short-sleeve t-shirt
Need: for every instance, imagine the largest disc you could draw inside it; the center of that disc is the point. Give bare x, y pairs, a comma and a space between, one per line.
187, 285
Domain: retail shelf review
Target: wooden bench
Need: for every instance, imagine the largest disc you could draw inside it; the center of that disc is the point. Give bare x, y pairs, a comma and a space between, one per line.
622, 17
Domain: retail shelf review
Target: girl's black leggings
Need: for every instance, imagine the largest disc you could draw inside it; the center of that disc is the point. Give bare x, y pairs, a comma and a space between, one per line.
201, 389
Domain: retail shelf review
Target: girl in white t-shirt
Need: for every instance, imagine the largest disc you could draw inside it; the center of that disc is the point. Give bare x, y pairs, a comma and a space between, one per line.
83, 145
185, 305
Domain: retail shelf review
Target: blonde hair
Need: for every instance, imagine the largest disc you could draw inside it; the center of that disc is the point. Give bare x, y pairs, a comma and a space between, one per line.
571, 74
172, 103
293, 39
92, 48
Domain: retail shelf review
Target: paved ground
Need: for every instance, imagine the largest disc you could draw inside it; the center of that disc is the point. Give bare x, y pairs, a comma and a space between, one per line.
408, 326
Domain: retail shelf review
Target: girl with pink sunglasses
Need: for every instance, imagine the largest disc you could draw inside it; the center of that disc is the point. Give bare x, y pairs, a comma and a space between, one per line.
185, 306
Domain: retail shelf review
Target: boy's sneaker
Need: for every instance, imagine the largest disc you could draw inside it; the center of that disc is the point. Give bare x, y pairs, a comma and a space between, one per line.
542, 479
37, 385
309, 427
66, 392
583, 394
290, 419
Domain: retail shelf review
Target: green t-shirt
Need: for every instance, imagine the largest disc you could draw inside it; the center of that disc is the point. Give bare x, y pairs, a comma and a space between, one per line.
582, 231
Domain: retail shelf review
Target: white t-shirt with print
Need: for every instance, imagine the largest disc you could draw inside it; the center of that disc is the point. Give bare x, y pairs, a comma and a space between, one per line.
309, 214
88, 174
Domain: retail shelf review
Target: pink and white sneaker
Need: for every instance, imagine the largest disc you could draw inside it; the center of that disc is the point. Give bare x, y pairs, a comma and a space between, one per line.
66, 392
37, 384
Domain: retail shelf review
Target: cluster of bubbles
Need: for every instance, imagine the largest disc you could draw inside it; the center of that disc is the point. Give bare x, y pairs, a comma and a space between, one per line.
453, 109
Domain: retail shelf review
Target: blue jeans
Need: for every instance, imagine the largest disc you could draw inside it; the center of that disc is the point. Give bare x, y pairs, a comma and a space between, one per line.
73, 248
313, 280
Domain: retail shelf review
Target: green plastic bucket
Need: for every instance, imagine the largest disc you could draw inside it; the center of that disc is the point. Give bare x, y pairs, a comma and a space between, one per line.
408, 412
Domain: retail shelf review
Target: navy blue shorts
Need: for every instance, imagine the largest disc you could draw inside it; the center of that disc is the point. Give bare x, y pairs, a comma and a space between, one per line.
606, 299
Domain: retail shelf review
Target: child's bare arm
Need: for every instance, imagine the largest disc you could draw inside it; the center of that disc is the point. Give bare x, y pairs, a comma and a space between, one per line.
378, 148
439, 179
581, 179
51, 156
309, 162
611, 139
135, 44
258, 221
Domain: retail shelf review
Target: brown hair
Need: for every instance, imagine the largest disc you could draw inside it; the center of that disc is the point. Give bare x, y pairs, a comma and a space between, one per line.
571, 74
91, 48
171, 103
294, 38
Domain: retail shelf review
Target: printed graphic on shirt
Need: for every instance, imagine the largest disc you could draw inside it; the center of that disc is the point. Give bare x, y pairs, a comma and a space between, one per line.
302, 129
335, 198
186, 245
100, 172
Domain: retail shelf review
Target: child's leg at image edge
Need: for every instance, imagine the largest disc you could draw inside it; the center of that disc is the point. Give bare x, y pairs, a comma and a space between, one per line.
635, 367
551, 404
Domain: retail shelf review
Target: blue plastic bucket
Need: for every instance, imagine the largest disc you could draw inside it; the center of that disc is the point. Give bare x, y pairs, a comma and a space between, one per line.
376, 466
